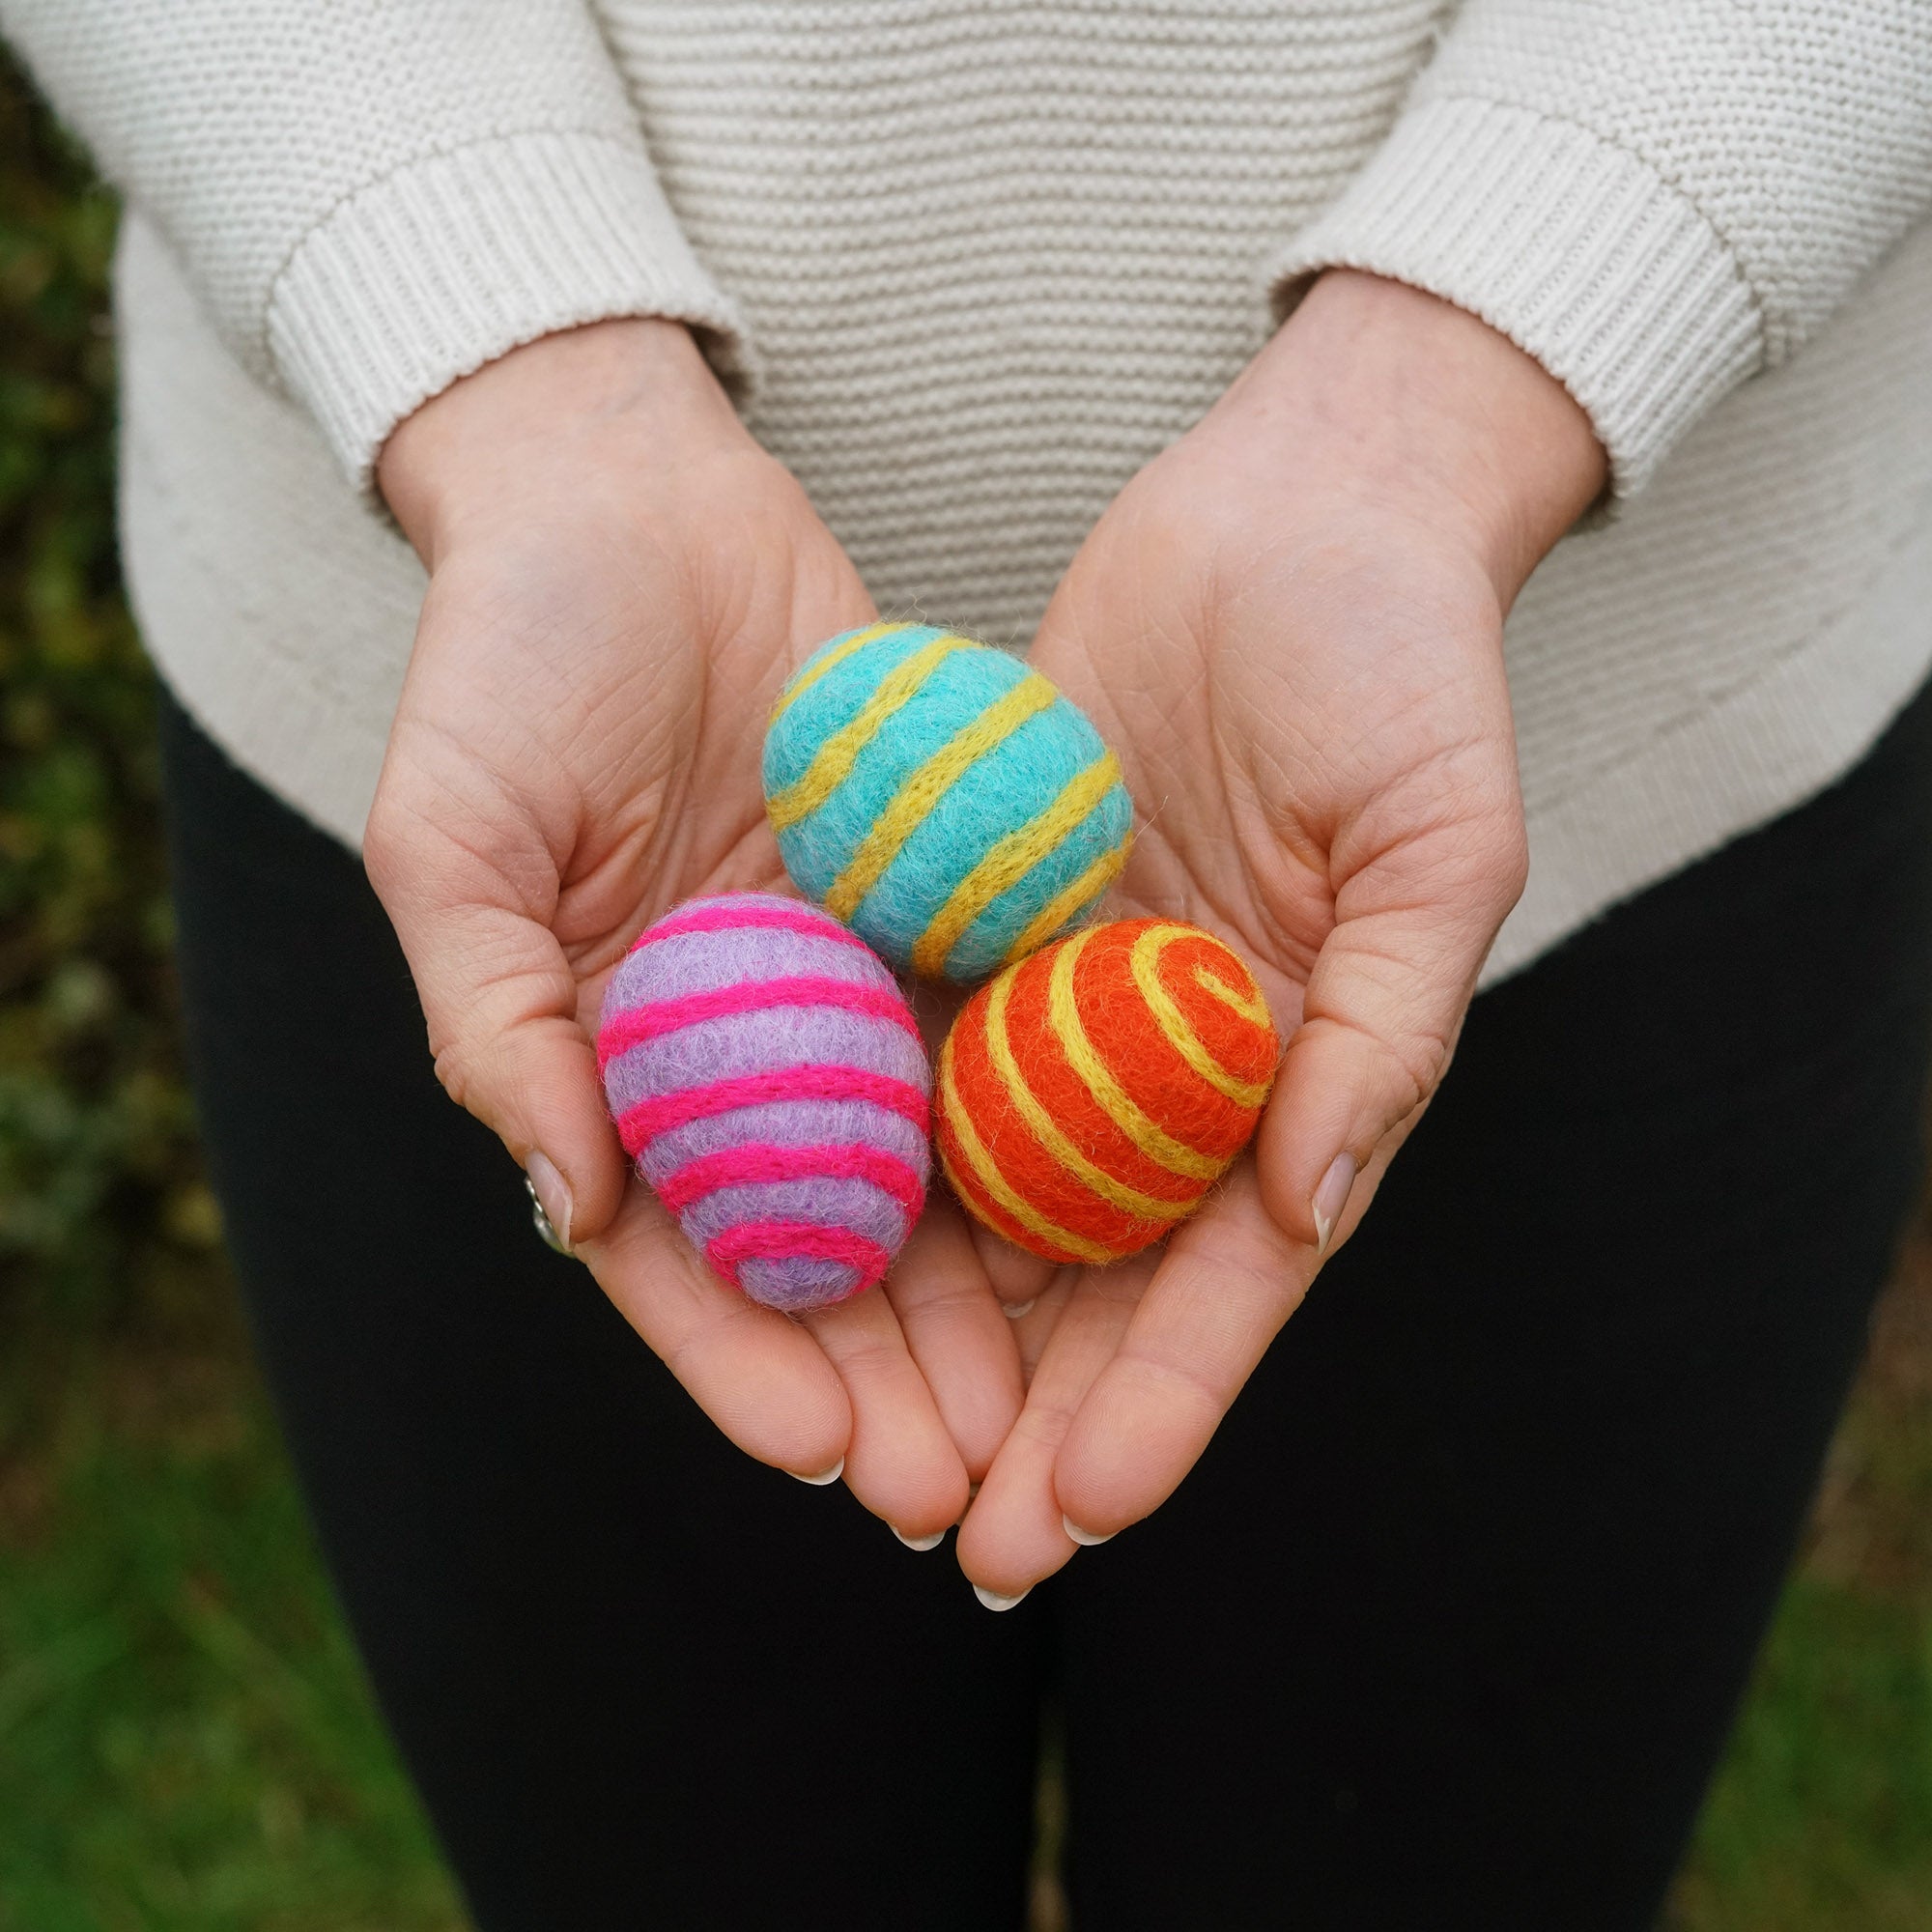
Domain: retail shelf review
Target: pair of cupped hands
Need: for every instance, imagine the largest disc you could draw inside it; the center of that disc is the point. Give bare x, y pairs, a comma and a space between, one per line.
1288, 625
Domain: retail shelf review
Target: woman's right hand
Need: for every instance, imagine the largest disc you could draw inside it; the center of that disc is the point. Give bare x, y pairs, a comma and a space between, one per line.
620, 579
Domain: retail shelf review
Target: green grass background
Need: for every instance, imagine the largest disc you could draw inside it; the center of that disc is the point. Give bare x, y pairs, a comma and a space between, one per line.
185, 1741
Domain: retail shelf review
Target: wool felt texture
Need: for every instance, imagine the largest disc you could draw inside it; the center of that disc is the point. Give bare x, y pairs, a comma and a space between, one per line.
1091, 1095
942, 798
768, 1079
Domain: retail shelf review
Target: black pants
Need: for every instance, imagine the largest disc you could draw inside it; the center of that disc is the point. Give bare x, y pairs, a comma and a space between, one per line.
1445, 1632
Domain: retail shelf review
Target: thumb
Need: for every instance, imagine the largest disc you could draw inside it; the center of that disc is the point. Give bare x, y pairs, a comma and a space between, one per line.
1384, 1007
501, 1002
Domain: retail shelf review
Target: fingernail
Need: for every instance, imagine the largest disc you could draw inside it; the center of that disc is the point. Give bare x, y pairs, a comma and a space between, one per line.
550, 1198
1086, 1538
931, 1542
824, 1476
1015, 1309
1330, 1197
993, 1601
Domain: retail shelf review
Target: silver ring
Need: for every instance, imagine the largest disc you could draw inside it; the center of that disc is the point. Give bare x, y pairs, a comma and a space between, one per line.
541, 1222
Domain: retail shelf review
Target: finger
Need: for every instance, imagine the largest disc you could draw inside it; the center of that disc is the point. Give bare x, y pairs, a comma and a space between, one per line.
960, 1341
1384, 1007
1033, 1330
500, 1002
1227, 1284
1014, 1534
1018, 1277
900, 1461
759, 1377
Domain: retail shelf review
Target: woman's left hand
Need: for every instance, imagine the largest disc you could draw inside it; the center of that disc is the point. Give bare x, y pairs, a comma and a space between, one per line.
1290, 627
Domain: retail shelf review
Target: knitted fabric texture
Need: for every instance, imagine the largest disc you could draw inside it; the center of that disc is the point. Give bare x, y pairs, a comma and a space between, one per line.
767, 1077
1091, 1095
989, 261
942, 798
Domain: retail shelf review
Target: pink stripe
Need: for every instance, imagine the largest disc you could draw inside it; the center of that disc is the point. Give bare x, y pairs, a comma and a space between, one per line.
799, 917
781, 1241
759, 1161
624, 1031
642, 1124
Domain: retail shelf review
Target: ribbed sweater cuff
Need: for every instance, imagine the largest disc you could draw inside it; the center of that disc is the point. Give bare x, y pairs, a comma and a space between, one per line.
435, 271
1575, 249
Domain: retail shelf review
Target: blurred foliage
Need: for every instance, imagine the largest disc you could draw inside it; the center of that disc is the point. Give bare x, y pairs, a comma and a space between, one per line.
1821, 1818
97, 1159
185, 1743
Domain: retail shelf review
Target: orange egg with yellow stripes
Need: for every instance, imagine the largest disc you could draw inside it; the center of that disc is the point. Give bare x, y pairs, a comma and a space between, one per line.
1088, 1096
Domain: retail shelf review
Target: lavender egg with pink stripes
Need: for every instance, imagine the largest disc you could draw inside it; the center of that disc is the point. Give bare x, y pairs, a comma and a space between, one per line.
768, 1079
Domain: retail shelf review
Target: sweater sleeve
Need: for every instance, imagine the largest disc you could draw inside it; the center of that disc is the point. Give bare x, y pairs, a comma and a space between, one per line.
372, 199
1654, 198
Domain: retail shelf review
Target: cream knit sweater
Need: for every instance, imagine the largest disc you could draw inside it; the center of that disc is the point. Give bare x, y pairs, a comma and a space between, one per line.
973, 264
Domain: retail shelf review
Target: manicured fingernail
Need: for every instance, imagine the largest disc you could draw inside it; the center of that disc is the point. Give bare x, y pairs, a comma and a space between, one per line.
824, 1476
1086, 1538
1330, 1197
550, 1198
993, 1601
1015, 1309
931, 1542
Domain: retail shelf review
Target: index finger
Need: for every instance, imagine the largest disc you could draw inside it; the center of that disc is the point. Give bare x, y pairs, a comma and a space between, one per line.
1228, 1282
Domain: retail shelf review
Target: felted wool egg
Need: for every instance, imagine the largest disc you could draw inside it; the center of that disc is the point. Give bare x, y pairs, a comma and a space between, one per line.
768, 1079
941, 799
1091, 1095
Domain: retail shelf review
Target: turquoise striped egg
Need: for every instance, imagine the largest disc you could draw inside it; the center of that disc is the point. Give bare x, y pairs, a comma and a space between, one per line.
942, 798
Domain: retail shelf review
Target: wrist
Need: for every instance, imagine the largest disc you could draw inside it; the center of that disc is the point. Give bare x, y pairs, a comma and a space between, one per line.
1384, 395
556, 404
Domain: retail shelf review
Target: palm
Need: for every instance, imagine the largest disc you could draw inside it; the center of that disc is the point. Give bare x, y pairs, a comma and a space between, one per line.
1313, 723
577, 750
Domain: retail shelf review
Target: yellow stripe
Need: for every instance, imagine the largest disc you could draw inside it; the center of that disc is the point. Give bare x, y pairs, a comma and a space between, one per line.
1111, 1098
1011, 860
1041, 1123
830, 662
1066, 903
992, 1181
832, 763
928, 784
1146, 962
1250, 1004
